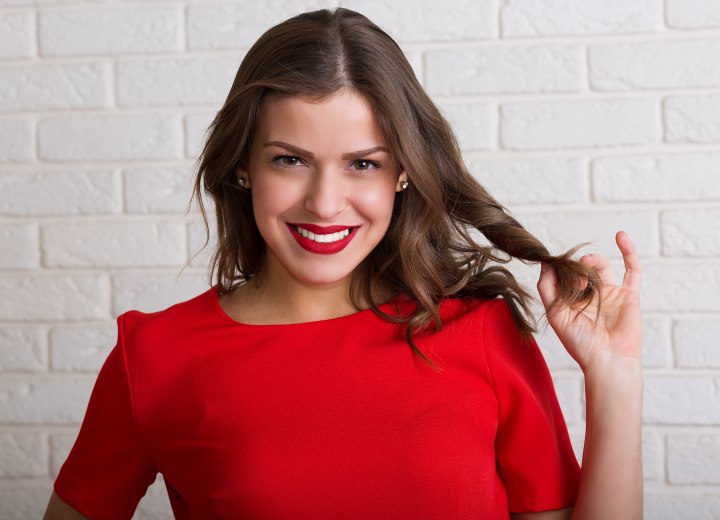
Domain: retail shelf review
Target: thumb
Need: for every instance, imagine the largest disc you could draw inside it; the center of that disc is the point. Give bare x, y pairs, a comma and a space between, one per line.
547, 284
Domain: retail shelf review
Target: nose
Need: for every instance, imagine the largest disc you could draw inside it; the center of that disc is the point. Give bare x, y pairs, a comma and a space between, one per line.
325, 196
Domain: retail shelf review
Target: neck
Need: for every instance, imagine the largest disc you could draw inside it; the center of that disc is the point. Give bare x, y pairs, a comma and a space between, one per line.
298, 302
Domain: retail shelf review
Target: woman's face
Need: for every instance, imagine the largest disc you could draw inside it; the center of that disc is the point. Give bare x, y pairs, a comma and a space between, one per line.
320, 206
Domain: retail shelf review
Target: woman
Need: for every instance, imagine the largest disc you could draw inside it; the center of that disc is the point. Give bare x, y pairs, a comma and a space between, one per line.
353, 359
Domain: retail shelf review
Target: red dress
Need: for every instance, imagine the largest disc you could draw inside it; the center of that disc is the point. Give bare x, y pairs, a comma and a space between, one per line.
331, 419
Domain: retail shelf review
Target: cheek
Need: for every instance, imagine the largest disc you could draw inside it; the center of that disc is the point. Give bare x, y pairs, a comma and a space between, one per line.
271, 199
378, 202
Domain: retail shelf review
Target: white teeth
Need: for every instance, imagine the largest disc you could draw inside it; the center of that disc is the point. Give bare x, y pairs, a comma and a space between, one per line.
323, 239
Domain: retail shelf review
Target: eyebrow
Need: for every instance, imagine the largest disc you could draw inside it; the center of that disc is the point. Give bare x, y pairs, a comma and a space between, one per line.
305, 153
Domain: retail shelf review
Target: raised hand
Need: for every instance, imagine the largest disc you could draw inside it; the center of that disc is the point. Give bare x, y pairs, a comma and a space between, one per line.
618, 334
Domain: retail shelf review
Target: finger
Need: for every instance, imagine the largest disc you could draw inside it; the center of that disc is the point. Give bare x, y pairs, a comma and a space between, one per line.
601, 265
547, 284
633, 269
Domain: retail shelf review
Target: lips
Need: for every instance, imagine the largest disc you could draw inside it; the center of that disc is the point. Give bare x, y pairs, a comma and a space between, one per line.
323, 248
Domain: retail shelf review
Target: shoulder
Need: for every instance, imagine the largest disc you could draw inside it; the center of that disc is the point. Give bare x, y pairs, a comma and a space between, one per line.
164, 326
472, 308
491, 319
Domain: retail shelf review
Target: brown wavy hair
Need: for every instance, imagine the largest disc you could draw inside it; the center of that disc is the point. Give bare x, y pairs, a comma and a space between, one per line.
428, 252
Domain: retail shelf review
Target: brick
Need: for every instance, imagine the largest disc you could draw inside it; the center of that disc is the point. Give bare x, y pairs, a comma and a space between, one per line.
653, 457
81, 348
555, 354
60, 446
196, 240
694, 459
110, 137
117, 30
241, 23
560, 230
657, 348
690, 232
431, 21
155, 505
160, 190
114, 244
694, 119
696, 342
46, 193
172, 82
20, 502
655, 65
681, 399
24, 3
196, 126
23, 454
44, 401
53, 86
567, 389
578, 124
577, 439
17, 32
559, 17
681, 287
415, 58
23, 348
669, 505
17, 143
544, 181
19, 246
53, 297
677, 177
474, 124
233, 25
504, 70
157, 292
692, 14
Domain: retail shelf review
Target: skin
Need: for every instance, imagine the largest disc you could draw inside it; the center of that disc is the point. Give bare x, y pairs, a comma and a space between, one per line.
59, 510
296, 286
611, 482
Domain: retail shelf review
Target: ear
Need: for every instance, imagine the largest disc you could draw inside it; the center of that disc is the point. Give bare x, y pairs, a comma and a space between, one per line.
402, 178
242, 174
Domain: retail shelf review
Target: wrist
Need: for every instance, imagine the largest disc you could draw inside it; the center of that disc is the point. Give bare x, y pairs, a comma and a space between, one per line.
614, 371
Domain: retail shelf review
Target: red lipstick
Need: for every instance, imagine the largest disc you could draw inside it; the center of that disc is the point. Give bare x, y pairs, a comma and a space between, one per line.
323, 248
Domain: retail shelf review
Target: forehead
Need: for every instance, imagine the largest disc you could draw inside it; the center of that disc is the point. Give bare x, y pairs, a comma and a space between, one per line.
343, 116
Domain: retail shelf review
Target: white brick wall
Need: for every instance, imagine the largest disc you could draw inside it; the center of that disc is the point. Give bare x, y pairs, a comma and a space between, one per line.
583, 117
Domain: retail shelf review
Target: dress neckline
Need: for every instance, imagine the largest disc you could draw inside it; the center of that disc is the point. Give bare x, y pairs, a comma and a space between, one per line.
215, 297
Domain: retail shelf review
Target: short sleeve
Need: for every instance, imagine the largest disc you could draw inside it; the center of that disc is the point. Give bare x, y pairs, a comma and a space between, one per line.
533, 452
108, 469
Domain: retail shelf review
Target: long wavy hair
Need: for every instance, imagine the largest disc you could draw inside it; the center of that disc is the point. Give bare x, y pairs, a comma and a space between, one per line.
428, 252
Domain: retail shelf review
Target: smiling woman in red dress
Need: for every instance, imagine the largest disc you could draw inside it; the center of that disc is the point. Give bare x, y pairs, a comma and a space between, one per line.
357, 357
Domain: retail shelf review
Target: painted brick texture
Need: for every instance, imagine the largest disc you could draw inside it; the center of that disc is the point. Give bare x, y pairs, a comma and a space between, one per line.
582, 117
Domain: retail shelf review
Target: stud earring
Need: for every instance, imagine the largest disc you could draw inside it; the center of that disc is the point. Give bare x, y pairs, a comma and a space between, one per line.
404, 184
242, 182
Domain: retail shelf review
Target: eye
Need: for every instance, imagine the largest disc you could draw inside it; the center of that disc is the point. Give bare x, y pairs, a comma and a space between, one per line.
280, 158
366, 162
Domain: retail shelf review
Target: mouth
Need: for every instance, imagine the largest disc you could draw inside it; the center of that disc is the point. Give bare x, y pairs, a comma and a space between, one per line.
323, 243
323, 235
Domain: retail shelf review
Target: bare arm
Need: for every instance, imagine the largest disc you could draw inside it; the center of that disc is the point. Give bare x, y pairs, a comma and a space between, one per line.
609, 352
611, 482
59, 510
